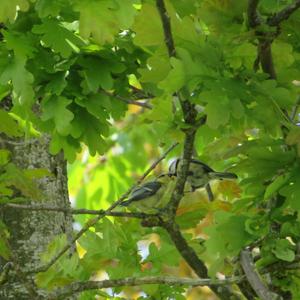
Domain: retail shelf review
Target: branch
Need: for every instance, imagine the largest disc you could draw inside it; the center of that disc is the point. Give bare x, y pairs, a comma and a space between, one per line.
265, 56
264, 53
190, 256
254, 278
189, 114
284, 14
77, 287
92, 222
128, 101
165, 19
80, 211
253, 18
190, 118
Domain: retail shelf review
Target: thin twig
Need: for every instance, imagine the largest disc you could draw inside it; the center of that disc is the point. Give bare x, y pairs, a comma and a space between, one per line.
284, 14
253, 277
80, 211
92, 222
76, 287
165, 19
128, 101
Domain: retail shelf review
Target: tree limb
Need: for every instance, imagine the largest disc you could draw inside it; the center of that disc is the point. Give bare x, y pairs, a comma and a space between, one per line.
284, 14
254, 278
266, 38
76, 287
184, 249
190, 118
253, 17
189, 113
265, 56
80, 211
165, 19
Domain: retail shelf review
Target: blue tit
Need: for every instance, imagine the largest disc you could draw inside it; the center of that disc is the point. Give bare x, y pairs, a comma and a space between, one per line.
151, 196
200, 174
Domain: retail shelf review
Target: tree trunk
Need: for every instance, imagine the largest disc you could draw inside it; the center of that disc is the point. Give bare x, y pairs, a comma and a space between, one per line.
31, 231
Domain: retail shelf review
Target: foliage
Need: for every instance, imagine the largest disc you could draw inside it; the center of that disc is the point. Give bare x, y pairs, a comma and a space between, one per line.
71, 66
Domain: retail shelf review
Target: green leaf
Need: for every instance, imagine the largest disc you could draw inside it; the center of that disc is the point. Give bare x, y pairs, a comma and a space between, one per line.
37, 173
243, 54
23, 180
57, 84
165, 255
276, 185
54, 247
96, 73
162, 109
4, 156
292, 192
237, 109
284, 250
191, 219
176, 77
8, 9
216, 109
90, 130
52, 8
257, 226
66, 271
158, 67
21, 44
102, 20
56, 36
55, 108
279, 47
9, 125
22, 80
69, 145
147, 27
96, 105
184, 8
227, 236
291, 229
4, 235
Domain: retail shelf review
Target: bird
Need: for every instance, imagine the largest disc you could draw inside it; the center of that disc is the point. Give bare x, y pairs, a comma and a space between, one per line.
151, 196
200, 174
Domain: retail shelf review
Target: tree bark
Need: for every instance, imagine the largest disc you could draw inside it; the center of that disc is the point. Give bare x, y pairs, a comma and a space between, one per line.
31, 231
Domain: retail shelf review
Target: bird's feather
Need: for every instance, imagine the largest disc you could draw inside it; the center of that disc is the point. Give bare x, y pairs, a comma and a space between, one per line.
146, 190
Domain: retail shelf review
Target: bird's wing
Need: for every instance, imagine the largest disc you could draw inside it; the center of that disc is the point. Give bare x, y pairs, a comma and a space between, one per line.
222, 175
144, 191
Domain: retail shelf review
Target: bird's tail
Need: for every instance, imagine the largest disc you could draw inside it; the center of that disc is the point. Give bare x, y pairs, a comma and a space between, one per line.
222, 175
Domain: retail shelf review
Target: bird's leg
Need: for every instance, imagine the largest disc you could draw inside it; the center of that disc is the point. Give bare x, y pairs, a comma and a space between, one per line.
209, 192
